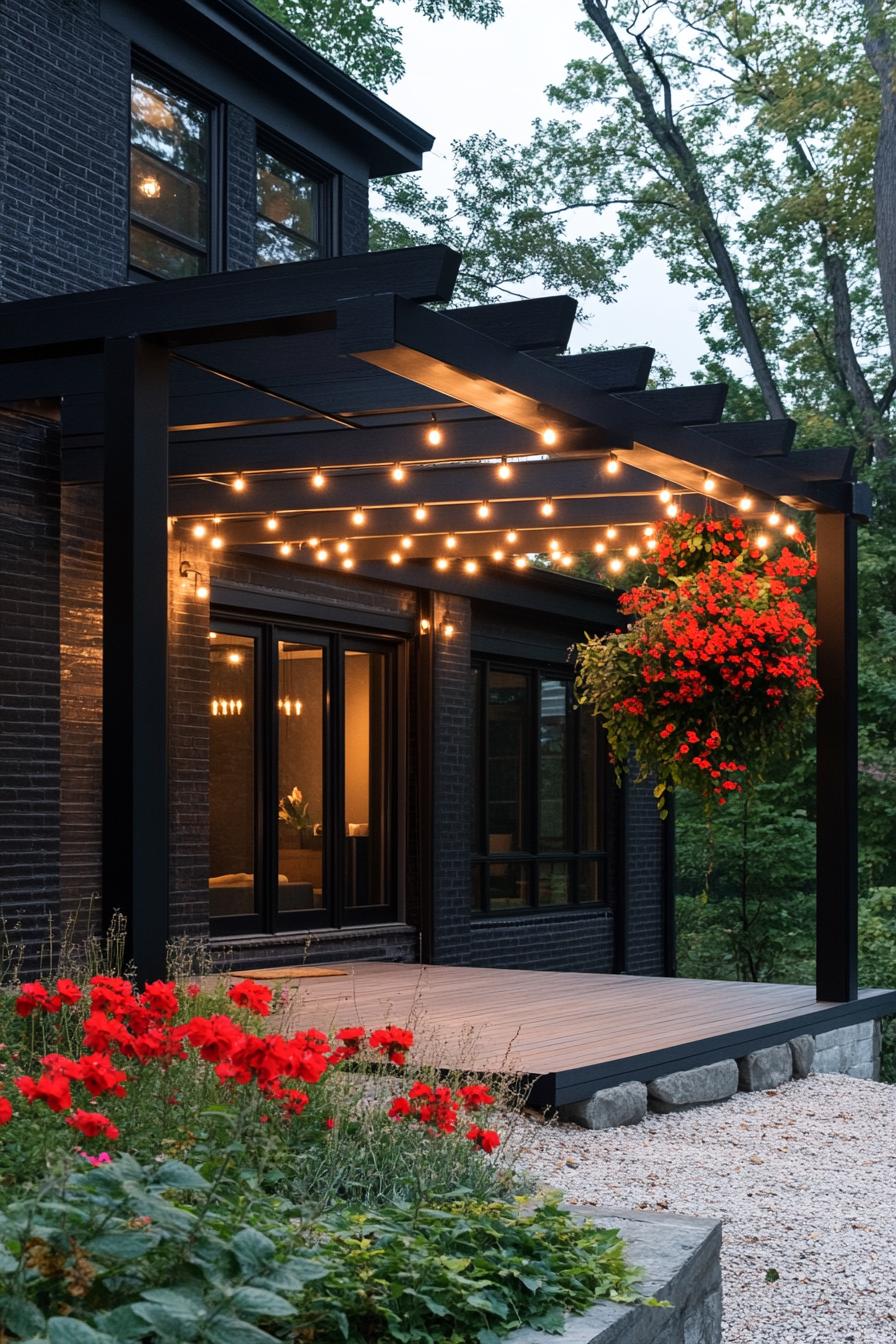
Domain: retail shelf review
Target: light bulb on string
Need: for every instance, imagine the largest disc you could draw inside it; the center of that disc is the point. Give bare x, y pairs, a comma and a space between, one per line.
790, 530
216, 542
434, 434
395, 557
672, 510
286, 548
348, 562
313, 542
342, 547
648, 531
665, 495
272, 522
504, 470
599, 547
612, 533
421, 513
774, 518
199, 531
398, 472
549, 436
547, 508
616, 565
553, 544
484, 510
762, 541
650, 544
709, 483
511, 537
238, 483
471, 567
406, 543
318, 480
498, 555
632, 552
566, 561
442, 563
520, 562
451, 541
359, 517
745, 503
321, 554
612, 465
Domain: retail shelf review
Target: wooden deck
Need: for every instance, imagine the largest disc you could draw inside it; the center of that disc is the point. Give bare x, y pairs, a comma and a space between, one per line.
570, 1034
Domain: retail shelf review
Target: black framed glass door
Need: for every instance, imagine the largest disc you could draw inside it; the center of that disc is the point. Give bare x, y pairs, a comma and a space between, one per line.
304, 778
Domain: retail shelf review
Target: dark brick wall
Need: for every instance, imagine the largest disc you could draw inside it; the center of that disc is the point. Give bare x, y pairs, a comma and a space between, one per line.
452, 773
241, 193
575, 940
29, 681
63, 149
644, 881
354, 224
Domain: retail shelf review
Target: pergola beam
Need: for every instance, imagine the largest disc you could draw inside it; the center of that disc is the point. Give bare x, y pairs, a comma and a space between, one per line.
428, 348
274, 300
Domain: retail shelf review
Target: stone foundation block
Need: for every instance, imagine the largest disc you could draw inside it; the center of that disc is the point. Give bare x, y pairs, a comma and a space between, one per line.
849, 1048
802, 1055
863, 1071
693, 1087
765, 1068
858, 1031
680, 1262
622, 1105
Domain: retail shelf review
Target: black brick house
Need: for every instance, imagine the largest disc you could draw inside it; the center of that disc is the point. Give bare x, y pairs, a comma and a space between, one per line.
206, 101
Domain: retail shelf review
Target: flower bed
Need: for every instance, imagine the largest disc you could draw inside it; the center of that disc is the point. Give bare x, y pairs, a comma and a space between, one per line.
171, 1169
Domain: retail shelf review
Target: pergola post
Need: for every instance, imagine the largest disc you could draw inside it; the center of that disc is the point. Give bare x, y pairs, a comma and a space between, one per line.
135, 646
837, 723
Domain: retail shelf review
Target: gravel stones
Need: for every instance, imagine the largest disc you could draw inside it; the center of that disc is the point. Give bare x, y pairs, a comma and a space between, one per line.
622, 1105
693, 1087
765, 1068
804, 1182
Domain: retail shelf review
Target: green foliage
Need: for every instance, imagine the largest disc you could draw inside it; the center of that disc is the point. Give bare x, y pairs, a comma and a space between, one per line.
354, 35
159, 1253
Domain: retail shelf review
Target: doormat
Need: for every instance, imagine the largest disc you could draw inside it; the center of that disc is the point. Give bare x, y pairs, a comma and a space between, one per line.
293, 973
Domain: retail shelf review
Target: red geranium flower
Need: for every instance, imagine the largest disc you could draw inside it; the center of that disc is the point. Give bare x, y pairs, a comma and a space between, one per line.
51, 1088
486, 1139
5, 1111
392, 1042
475, 1095
92, 1124
249, 994
160, 996
214, 1037
32, 996
99, 1075
68, 992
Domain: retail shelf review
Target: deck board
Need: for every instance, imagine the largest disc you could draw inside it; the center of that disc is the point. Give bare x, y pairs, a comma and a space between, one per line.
573, 1032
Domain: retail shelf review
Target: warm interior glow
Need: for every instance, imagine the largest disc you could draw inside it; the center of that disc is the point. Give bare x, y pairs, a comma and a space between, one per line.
150, 187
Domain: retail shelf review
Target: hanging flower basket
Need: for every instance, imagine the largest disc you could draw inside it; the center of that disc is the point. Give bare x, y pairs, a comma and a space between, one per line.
712, 678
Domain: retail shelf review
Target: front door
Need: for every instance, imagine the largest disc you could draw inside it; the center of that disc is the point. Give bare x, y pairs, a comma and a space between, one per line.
305, 784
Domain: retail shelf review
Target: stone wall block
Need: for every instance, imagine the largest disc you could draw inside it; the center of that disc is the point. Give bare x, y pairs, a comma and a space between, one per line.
802, 1052
693, 1087
765, 1068
622, 1105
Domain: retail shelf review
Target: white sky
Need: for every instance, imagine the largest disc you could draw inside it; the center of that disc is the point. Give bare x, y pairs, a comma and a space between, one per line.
462, 79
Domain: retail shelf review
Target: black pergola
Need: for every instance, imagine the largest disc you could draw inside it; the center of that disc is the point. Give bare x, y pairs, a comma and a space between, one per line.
375, 432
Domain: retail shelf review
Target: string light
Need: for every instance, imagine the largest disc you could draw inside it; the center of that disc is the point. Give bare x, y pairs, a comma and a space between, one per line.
441, 563
612, 533
216, 543
549, 436
451, 541
272, 522
471, 567
599, 547
238, 483
359, 517
498, 555
745, 503
348, 563
421, 513
520, 562
651, 544
313, 541
547, 508
709, 483
612, 465
790, 529
632, 552
235, 658
648, 531
398, 472
566, 561
774, 518
511, 537
321, 554
505, 470
553, 544
665, 495
286, 548
406, 542
448, 628
199, 531
762, 541
342, 547
213, 634
434, 433
672, 510
616, 565
318, 480
395, 557
484, 509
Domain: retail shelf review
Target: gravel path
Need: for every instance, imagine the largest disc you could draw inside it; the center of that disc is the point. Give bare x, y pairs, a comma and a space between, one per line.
804, 1179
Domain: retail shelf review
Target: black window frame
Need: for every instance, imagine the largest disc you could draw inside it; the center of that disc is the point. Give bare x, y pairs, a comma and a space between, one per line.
269, 142
532, 857
266, 920
145, 65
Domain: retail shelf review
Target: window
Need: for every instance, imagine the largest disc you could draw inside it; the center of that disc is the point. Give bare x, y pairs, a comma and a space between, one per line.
303, 778
290, 224
538, 792
170, 169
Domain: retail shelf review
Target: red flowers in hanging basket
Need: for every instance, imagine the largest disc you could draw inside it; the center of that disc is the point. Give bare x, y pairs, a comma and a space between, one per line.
713, 676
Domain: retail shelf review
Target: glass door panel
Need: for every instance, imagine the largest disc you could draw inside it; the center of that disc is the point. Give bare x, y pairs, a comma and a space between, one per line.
366, 792
508, 719
301, 778
233, 813
553, 765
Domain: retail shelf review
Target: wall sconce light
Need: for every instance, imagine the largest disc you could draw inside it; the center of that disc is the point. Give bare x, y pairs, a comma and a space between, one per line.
200, 582
449, 629
226, 708
289, 707
425, 625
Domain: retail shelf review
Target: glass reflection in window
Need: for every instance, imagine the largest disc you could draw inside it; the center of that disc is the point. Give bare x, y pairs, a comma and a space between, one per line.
366, 793
232, 799
300, 769
169, 180
288, 222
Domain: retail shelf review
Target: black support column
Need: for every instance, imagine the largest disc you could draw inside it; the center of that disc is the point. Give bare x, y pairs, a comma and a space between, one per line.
837, 819
135, 646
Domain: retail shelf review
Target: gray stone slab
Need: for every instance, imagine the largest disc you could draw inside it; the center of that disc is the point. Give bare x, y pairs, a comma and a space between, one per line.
680, 1262
858, 1031
802, 1055
862, 1071
622, 1105
693, 1087
766, 1068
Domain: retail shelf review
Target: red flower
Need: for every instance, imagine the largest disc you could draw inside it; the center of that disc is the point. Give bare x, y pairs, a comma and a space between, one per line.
51, 1088
214, 1037
194, 991
102, 1032
32, 996
5, 1111
486, 1139
400, 1108
92, 1124
392, 1042
68, 992
249, 994
99, 1075
160, 997
475, 1095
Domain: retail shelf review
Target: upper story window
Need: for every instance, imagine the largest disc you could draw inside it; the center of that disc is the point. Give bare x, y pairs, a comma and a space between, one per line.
539, 769
170, 170
290, 220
